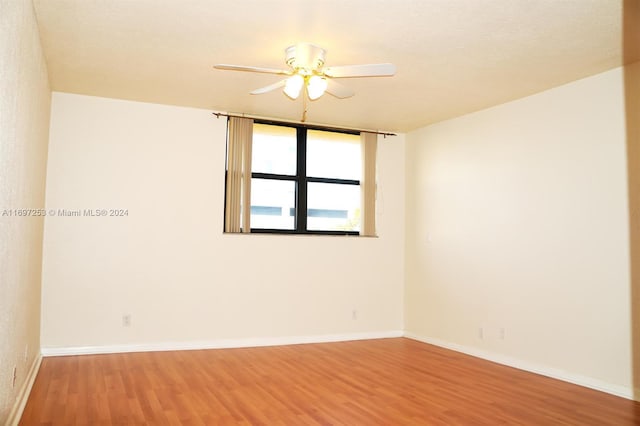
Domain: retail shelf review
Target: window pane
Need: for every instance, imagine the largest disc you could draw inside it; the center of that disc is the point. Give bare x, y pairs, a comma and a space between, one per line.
333, 207
333, 155
273, 204
274, 149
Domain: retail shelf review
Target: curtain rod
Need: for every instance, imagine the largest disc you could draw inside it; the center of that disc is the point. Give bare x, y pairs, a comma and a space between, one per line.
375, 132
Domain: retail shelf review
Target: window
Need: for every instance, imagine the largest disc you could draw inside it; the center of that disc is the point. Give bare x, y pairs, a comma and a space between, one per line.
284, 178
305, 180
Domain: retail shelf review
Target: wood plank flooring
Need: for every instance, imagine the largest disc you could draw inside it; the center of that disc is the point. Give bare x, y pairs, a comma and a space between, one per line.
373, 382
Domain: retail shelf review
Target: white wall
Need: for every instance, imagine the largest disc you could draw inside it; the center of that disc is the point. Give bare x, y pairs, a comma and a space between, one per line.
24, 126
517, 220
169, 265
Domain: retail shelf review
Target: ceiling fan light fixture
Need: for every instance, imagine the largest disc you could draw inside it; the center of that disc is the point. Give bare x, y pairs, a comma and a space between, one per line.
316, 87
307, 72
293, 86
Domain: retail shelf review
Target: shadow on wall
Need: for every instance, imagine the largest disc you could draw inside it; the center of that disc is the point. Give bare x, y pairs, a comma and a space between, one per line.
631, 51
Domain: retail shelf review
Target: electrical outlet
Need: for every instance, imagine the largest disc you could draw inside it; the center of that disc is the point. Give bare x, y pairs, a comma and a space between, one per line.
481, 333
126, 320
354, 314
26, 352
15, 375
501, 333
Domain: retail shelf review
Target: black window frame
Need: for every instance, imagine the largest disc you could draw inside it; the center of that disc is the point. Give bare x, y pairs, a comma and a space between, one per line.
301, 180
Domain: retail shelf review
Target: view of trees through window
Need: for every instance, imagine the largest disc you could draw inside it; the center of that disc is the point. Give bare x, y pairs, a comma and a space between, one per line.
305, 180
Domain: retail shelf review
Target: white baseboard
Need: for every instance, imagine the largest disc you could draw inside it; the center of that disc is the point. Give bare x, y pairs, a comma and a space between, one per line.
16, 412
217, 344
576, 379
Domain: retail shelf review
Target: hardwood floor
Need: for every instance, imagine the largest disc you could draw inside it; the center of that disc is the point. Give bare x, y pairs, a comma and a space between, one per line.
387, 381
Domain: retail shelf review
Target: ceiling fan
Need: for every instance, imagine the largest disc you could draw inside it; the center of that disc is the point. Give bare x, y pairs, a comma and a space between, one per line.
306, 70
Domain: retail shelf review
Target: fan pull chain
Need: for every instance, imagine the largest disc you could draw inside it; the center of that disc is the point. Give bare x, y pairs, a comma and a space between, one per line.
304, 108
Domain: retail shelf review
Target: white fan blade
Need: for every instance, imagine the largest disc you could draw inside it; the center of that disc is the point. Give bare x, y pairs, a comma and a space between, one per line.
367, 70
250, 69
338, 90
269, 88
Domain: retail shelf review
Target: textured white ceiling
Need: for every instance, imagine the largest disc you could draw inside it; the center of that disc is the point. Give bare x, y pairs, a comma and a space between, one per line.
453, 56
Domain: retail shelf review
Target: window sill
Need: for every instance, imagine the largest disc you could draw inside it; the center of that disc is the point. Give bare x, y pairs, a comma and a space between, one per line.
303, 234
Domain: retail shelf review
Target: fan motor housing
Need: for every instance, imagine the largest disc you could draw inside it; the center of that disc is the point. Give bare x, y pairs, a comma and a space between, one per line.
305, 56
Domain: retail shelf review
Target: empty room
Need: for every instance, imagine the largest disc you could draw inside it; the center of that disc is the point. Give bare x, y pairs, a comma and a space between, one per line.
349, 212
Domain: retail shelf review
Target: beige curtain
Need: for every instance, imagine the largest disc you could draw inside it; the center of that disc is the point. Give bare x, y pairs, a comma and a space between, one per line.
369, 143
237, 210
